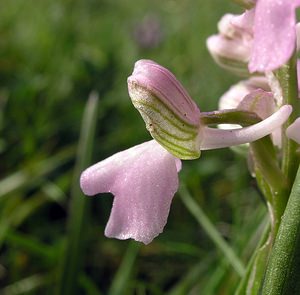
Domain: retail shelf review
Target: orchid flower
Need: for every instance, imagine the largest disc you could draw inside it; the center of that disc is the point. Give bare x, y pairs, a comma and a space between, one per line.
143, 179
274, 34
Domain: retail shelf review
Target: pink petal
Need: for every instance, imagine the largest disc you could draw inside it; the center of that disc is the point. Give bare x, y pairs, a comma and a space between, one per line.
236, 93
298, 74
143, 180
260, 102
293, 131
263, 104
274, 34
244, 23
232, 49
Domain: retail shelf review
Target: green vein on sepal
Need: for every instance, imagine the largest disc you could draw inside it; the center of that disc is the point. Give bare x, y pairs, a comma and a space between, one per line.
179, 138
177, 152
163, 106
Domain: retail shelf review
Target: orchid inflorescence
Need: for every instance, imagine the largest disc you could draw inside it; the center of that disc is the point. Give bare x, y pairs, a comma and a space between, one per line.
144, 178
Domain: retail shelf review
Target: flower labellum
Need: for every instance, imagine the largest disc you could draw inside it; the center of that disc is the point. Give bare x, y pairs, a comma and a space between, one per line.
171, 116
143, 180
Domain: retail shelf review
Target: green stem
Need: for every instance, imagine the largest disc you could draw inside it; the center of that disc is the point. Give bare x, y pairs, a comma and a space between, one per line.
230, 116
211, 231
283, 271
264, 157
70, 267
271, 181
287, 76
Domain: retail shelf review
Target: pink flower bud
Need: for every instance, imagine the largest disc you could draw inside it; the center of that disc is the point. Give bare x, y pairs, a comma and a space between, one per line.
231, 48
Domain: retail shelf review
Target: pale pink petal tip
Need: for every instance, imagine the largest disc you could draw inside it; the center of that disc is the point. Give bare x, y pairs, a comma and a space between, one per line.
293, 131
274, 34
143, 180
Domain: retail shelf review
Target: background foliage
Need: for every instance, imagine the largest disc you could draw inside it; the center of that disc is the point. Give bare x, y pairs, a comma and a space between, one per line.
53, 55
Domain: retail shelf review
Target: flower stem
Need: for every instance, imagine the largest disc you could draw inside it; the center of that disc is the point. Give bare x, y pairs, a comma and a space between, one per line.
287, 76
283, 270
264, 157
230, 116
270, 179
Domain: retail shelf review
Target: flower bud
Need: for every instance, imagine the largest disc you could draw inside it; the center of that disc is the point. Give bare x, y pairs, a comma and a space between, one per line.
231, 48
171, 116
229, 54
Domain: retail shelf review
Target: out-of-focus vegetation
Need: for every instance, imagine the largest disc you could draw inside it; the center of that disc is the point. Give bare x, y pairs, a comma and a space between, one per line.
53, 55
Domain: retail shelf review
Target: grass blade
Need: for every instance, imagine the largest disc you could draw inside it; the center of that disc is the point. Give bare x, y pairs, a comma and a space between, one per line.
121, 279
78, 211
211, 231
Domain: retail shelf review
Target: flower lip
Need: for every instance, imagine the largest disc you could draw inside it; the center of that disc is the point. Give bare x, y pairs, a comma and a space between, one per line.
143, 180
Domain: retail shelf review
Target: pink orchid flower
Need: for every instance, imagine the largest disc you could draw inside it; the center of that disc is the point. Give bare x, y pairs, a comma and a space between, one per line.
274, 34
144, 178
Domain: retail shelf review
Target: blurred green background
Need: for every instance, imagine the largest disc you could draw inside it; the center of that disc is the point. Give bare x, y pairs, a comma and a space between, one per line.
54, 55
